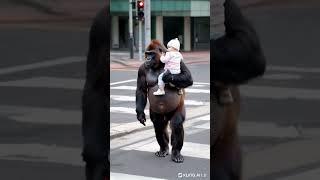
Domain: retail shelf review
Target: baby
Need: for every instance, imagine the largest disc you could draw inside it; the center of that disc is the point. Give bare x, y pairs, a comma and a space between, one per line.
172, 60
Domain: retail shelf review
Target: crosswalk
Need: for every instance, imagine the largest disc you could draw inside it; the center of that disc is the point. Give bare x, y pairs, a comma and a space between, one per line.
122, 101
293, 145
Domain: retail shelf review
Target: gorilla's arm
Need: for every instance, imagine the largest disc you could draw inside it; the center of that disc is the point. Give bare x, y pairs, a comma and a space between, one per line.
141, 94
237, 56
182, 80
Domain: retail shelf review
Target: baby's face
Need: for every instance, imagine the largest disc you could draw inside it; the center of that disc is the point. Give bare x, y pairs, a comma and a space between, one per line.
171, 49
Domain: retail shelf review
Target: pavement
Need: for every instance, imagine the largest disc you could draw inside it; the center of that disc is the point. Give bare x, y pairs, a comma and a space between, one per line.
279, 124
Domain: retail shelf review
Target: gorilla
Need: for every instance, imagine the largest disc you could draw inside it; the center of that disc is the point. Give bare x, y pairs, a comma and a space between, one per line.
237, 58
169, 107
95, 114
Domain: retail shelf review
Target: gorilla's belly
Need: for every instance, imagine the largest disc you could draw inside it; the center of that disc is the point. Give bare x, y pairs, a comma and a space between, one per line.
164, 103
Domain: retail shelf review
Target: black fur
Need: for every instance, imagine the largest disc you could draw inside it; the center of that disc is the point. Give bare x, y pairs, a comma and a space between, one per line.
237, 56
95, 114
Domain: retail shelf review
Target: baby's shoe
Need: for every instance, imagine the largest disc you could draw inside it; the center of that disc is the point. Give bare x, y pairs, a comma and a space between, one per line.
159, 92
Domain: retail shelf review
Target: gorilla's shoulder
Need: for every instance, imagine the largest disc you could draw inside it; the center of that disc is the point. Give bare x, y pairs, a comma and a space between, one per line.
99, 29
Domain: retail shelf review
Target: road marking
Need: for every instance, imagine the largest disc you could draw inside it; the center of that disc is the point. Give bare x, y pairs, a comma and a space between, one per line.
203, 126
47, 82
311, 174
188, 90
133, 99
121, 176
204, 118
121, 82
189, 149
263, 129
41, 115
282, 76
41, 153
294, 69
271, 92
126, 110
129, 127
282, 157
42, 64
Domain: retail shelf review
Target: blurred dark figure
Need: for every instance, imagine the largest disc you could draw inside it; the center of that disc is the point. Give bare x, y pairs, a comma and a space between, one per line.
95, 122
237, 58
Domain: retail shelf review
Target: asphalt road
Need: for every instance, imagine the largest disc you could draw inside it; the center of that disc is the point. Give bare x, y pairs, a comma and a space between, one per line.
41, 79
279, 123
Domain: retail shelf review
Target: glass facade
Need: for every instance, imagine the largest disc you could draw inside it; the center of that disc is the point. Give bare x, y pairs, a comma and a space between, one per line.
188, 20
167, 7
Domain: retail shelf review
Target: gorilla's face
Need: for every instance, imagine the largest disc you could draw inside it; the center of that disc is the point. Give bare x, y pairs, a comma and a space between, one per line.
152, 59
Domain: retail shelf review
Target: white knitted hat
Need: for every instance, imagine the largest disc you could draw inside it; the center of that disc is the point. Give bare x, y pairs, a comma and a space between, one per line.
174, 43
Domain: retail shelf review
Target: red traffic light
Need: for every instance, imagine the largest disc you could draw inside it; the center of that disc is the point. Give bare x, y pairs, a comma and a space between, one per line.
140, 4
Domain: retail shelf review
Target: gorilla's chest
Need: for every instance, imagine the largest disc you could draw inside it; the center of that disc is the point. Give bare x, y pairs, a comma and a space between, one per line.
152, 77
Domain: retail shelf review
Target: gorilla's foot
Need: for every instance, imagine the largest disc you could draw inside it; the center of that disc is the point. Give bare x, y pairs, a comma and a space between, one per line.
162, 153
177, 157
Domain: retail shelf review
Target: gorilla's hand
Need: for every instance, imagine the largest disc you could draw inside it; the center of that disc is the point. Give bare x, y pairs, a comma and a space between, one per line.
167, 77
142, 118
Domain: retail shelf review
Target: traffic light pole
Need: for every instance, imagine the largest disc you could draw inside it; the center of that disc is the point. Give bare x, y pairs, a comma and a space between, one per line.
130, 30
140, 40
147, 22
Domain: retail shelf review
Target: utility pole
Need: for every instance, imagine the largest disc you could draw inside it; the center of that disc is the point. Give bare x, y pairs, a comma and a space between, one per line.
140, 15
130, 30
147, 22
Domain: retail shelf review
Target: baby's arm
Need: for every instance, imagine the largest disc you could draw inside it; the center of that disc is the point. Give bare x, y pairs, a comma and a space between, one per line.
165, 58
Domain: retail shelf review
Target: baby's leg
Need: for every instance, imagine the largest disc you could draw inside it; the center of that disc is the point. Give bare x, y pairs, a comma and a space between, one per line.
161, 85
160, 81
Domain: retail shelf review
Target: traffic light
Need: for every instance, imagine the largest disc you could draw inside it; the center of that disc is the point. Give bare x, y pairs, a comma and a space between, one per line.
140, 5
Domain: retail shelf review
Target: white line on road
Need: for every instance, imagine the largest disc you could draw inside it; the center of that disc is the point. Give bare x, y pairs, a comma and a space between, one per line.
135, 125
133, 99
282, 157
125, 110
41, 115
189, 90
190, 149
47, 82
121, 176
41, 153
121, 82
279, 92
282, 76
294, 69
267, 129
42, 64
311, 174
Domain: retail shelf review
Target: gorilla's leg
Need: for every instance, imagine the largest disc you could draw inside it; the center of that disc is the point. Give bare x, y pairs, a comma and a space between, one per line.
177, 136
95, 151
160, 127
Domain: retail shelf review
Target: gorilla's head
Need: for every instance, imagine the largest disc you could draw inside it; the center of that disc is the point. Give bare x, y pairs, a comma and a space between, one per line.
153, 54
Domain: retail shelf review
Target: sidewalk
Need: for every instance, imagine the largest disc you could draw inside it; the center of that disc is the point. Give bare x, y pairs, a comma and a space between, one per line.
121, 59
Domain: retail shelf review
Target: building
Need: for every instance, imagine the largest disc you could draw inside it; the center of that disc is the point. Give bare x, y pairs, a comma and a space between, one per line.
189, 20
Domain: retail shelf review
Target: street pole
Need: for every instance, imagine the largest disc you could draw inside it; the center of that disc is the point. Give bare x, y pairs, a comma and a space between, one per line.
147, 22
140, 40
130, 30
